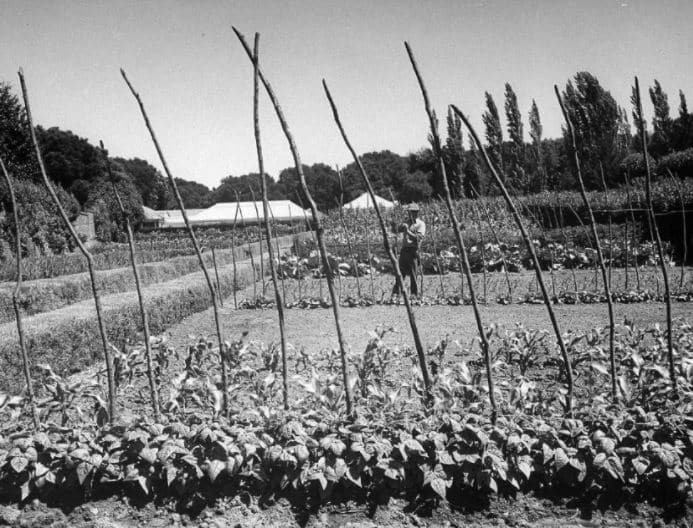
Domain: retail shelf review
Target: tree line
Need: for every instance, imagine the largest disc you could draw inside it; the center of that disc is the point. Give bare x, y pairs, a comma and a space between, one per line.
529, 161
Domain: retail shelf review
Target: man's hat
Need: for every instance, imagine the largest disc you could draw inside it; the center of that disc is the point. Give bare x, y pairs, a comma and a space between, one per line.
413, 207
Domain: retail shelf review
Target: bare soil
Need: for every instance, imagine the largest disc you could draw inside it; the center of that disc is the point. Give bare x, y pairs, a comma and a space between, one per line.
521, 512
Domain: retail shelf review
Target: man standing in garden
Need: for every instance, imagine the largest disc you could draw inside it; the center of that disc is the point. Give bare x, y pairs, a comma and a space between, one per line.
413, 232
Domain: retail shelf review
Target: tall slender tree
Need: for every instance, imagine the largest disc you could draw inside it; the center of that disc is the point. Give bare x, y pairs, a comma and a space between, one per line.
661, 121
516, 154
472, 178
535, 132
493, 132
453, 153
594, 114
683, 106
637, 121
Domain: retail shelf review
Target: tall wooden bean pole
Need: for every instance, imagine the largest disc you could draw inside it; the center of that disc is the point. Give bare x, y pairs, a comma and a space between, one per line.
595, 235
535, 261
316, 220
153, 388
193, 238
388, 248
438, 152
658, 241
26, 365
112, 409
265, 211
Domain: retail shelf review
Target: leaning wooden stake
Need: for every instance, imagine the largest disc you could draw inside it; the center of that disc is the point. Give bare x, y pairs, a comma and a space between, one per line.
588, 234
600, 255
535, 261
15, 301
216, 275
487, 214
309, 225
248, 251
193, 238
608, 207
316, 220
559, 222
435, 252
259, 229
635, 225
367, 230
153, 388
482, 245
658, 240
268, 234
684, 236
388, 248
276, 243
347, 234
438, 153
233, 260
112, 412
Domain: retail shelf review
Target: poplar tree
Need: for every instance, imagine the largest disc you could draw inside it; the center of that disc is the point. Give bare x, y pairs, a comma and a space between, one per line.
535, 132
494, 133
516, 155
661, 121
453, 152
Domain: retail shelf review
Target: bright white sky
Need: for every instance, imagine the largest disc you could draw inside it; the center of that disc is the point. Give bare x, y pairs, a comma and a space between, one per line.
196, 81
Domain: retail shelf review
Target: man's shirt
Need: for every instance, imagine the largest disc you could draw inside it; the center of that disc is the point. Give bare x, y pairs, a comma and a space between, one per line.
419, 230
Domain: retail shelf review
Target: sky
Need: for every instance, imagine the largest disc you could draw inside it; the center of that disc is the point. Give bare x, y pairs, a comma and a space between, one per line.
196, 81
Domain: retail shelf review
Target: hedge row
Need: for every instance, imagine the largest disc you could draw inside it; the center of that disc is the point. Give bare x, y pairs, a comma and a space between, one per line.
66, 338
50, 294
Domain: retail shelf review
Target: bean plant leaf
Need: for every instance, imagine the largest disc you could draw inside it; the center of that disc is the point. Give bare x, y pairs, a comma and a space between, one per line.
214, 468
19, 463
561, 459
440, 486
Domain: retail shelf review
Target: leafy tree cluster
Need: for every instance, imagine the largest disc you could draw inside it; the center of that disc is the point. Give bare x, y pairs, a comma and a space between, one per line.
529, 162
